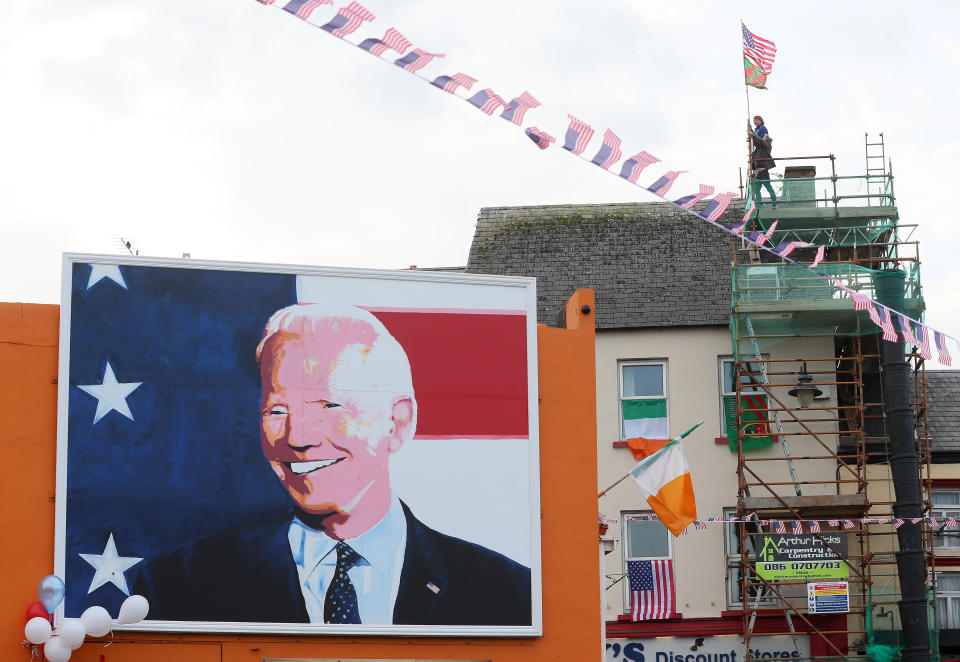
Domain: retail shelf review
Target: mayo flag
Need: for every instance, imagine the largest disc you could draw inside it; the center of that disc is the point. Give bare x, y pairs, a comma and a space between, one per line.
664, 477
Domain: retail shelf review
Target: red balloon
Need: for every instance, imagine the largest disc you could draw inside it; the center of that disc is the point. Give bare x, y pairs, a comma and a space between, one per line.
37, 609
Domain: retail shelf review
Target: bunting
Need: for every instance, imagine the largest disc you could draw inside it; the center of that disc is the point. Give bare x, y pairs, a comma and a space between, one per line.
451, 83
633, 166
578, 135
757, 50
609, 151
688, 201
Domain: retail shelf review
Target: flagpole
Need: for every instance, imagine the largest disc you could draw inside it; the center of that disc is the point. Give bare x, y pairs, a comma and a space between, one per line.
627, 475
746, 89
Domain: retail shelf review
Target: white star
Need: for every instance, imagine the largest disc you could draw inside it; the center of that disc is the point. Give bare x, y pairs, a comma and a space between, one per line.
110, 394
110, 567
100, 271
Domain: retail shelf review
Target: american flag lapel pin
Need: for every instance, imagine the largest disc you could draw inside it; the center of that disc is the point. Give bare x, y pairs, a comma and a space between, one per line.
433, 587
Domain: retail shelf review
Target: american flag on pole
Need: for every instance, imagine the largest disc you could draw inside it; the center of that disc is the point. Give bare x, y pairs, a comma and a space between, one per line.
487, 100
416, 60
578, 135
633, 166
518, 107
348, 20
451, 83
688, 201
303, 8
662, 186
652, 590
392, 40
907, 330
759, 50
541, 139
609, 151
942, 352
714, 209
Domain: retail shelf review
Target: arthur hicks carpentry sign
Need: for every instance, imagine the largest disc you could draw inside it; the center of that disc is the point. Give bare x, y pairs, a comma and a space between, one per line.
802, 556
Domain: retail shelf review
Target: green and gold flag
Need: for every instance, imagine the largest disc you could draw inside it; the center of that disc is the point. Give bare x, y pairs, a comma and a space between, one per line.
754, 422
754, 75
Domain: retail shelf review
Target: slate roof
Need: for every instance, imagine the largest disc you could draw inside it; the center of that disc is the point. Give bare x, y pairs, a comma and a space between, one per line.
650, 264
943, 410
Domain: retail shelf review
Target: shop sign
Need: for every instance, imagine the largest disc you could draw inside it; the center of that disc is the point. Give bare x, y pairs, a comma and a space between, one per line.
804, 556
720, 648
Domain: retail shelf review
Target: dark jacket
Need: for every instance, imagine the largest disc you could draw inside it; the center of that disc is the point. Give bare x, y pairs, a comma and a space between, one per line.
762, 152
247, 574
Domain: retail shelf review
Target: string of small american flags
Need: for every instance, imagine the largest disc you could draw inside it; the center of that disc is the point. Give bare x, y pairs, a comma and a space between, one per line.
797, 527
348, 19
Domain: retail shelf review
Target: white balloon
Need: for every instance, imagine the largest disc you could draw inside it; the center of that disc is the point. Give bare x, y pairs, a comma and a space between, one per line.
133, 610
56, 650
96, 621
72, 633
37, 630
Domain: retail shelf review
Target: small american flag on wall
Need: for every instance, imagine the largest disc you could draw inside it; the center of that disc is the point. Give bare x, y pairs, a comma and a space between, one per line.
652, 591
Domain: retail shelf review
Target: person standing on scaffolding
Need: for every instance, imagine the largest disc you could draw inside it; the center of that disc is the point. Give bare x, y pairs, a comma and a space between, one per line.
761, 158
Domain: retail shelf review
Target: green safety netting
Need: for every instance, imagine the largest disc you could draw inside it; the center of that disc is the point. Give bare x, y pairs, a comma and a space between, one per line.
773, 302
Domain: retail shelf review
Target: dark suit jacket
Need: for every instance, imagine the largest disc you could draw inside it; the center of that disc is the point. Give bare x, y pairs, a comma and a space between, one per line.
248, 574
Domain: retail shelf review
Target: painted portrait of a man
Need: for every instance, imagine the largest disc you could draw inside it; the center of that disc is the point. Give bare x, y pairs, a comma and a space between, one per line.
337, 400
324, 452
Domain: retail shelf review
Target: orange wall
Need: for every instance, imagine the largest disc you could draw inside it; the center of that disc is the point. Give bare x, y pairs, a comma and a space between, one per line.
568, 483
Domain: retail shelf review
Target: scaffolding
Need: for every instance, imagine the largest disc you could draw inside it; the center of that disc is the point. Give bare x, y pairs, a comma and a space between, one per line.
827, 461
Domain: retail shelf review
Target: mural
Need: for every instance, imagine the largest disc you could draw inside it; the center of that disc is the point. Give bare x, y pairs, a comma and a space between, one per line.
314, 451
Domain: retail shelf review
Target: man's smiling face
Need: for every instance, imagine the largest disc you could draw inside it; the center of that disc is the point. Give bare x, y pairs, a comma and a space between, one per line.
328, 443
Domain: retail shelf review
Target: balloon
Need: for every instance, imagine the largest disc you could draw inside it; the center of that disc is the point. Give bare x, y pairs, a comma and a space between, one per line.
37, 630
133, 610
56, 650
37, 609
72, 633
51, 590
96, 621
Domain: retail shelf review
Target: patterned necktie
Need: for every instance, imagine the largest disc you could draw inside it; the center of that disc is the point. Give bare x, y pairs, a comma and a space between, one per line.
340, 605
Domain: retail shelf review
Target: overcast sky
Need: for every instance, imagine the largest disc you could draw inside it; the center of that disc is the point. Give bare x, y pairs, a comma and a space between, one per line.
234, 131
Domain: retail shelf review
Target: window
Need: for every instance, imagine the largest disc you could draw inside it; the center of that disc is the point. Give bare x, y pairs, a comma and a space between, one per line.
948, 600
643, 400
642, 540
946, 503
732, 545
728, 392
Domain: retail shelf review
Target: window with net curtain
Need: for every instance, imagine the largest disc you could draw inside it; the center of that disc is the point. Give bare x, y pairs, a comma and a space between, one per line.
948, 600
946, 503
643, 540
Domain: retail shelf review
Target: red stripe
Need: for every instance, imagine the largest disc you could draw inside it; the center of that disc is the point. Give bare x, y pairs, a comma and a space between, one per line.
469, 372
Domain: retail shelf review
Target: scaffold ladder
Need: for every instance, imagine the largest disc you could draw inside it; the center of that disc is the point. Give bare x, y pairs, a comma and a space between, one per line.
764, 379
877, 153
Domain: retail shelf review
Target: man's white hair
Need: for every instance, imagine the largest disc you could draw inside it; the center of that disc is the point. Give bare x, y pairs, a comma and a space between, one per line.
381, 367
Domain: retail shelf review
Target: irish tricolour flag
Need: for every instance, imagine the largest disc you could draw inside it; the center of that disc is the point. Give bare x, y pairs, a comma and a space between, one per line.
664, 477
645, 418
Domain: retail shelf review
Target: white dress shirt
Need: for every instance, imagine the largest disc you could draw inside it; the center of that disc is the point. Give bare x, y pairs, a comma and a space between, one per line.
376, 578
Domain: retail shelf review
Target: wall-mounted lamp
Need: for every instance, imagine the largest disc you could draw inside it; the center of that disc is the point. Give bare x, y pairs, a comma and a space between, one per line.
804, 391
